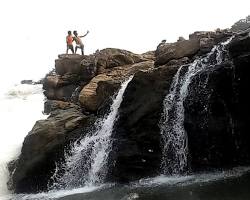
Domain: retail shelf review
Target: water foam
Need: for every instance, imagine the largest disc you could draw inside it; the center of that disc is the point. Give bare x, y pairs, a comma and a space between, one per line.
20, 107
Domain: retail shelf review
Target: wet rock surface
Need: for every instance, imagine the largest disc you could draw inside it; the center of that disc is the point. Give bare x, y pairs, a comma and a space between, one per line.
137, 141
80, 89
43, 146
216, 112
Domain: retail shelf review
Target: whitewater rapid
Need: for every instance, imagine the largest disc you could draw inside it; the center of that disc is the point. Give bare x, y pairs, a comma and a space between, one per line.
20, 106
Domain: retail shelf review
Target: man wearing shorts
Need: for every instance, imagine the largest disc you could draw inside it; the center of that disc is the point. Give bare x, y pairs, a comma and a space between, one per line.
69, 41
79, 43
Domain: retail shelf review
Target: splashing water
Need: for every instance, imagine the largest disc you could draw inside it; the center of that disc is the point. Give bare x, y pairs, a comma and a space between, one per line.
86, 162
174, 138
20, 106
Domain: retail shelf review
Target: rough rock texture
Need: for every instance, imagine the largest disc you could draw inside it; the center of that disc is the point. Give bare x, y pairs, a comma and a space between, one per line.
240, 46
91, 97
75, 79
136, 145
217, 113
199, 42
63, 93
73, 71
53, 105
110, 57
43, 146
71, 64
176, 50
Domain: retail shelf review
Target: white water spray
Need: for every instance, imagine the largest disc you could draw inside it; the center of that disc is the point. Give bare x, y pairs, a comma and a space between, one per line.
20, 107
87, 162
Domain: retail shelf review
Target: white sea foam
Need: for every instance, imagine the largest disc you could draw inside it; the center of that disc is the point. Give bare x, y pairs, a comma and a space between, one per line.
20, 107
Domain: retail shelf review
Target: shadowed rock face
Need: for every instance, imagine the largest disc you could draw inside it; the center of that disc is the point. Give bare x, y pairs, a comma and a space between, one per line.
45, 145
136, 146
71, 64
92, 96
217, 114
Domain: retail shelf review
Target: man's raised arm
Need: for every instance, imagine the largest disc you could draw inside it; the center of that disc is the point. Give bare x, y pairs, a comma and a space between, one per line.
85, 34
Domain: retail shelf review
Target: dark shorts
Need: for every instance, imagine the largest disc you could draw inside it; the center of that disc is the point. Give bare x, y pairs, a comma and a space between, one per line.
70, 46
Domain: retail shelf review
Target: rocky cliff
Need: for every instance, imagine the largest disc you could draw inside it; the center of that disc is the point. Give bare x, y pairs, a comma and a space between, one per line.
80, 89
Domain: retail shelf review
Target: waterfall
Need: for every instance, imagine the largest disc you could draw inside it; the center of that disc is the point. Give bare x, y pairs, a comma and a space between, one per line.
174, 137
86, 164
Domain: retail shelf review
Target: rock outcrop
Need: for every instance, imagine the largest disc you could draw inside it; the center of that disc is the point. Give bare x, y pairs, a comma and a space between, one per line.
75, 90
177, 50
81, 89
43, 146
86, 72
199, 42
96, 91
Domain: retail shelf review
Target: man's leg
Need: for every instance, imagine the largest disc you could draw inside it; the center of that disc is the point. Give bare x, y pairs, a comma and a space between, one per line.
82, 48
75, 49
67, 49
72, 49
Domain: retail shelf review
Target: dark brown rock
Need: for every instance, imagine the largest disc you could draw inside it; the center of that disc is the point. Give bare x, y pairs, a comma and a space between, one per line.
217, 113
110, 57
63, 93
52, 105
92, 97
43, 146
83, 66
136, 138
176, 50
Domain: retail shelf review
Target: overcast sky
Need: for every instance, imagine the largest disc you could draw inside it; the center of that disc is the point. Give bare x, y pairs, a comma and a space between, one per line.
33, 31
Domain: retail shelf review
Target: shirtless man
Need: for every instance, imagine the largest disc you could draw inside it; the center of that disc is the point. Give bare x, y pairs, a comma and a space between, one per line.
79, 43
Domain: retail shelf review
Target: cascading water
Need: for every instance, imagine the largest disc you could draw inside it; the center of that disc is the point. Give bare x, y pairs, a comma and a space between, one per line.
86, 162
174, 138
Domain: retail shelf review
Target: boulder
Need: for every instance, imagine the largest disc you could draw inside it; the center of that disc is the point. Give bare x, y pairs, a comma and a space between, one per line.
73, 71
206, 44
57, 81
150, 55
217, 36
43, 147
74, 64
52, 105
89, 97
177, 50
208, 38
181, 61
110, 57
136, 137
93, 95
63, 93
